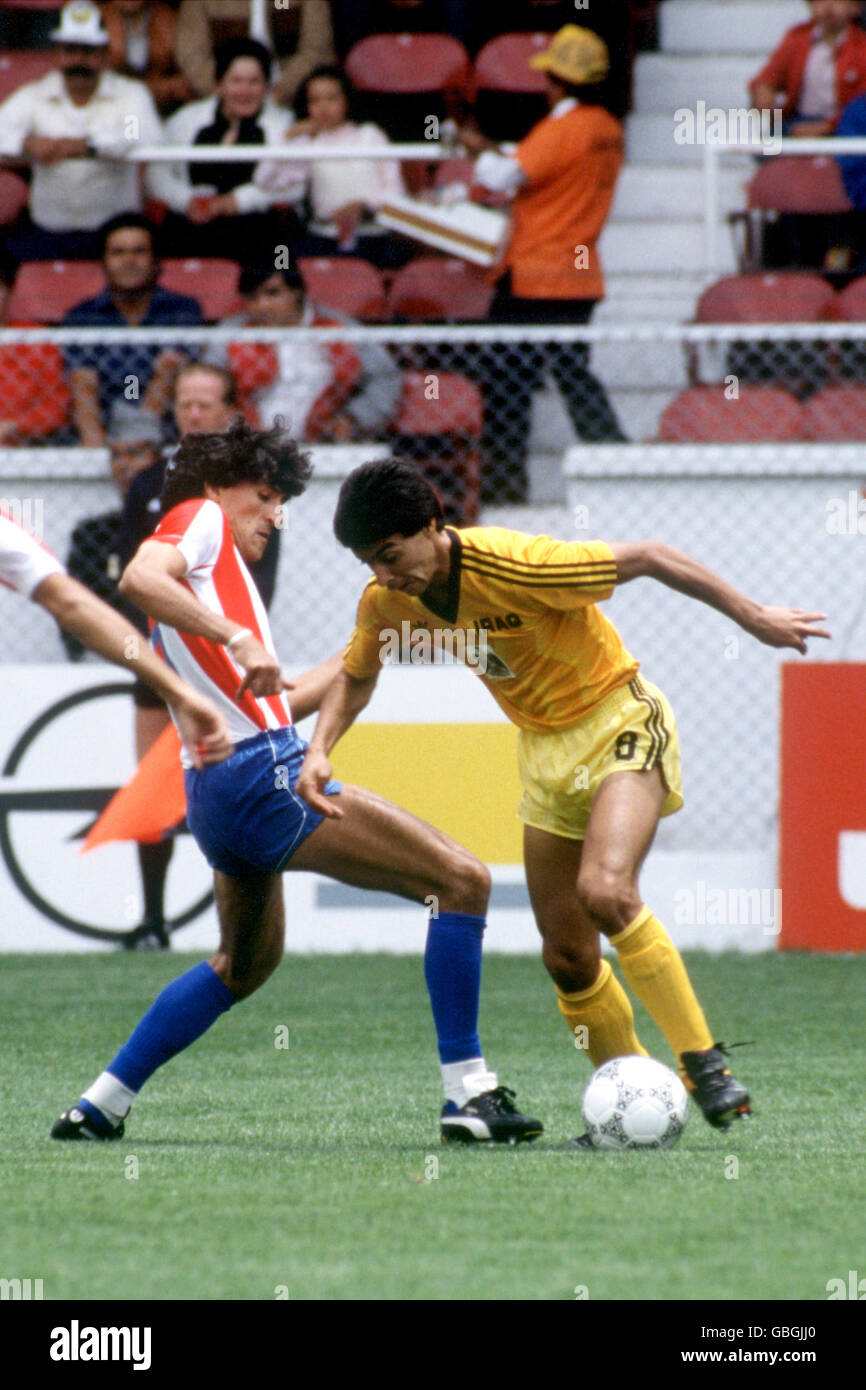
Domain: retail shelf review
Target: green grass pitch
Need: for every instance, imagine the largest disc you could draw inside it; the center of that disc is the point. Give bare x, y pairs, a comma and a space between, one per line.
313, 1171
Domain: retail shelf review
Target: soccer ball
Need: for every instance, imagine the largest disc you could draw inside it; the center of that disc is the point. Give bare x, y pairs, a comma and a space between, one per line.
634, 1103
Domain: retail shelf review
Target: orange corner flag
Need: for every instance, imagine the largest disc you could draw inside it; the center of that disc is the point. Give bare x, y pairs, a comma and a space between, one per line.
151, 802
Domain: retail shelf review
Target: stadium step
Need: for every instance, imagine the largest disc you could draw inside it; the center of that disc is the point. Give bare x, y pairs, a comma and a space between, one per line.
653, 245
691, 26
674, 191
667, 82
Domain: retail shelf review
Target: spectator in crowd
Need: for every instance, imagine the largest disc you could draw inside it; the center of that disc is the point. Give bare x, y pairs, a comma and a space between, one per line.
217, 209
341, 222
134, 442
853, 166
324, 391
817, 69
141, 44
74, 126
299, 34
205, 402
561, 179
100, 374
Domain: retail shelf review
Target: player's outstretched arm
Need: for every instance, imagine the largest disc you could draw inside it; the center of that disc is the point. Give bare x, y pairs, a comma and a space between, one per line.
104, 631
343, 702
777, 627
308, 690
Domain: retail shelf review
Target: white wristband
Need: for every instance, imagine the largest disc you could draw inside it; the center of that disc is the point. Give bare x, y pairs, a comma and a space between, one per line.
237, 637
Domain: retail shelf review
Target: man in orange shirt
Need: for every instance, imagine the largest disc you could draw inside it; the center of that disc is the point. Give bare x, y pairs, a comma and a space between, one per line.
562, 178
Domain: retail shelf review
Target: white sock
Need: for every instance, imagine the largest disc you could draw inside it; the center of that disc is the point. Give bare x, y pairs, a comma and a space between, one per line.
463, 1080
110, 1096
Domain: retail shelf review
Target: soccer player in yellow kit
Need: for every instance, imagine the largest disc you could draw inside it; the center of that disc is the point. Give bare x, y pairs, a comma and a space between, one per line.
598, 751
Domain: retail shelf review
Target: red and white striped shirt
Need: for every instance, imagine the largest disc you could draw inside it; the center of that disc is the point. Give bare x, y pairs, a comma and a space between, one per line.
218, 577
24, 561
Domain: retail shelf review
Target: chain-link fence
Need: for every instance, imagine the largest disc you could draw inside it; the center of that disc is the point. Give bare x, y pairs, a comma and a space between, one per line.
774, 507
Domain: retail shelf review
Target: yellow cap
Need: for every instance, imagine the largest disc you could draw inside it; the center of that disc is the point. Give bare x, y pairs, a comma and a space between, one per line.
575, 55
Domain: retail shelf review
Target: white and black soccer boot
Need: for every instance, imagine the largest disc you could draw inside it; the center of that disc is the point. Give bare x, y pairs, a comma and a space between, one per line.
84, 1121
489, 1115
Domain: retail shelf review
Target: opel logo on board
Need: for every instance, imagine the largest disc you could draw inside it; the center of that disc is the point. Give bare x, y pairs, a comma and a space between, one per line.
91, 799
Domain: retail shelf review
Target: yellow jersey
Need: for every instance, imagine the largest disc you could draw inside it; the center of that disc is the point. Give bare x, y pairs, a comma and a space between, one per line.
522, 612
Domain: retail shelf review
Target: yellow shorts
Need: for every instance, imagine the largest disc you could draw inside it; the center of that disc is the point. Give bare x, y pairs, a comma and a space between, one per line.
632, 730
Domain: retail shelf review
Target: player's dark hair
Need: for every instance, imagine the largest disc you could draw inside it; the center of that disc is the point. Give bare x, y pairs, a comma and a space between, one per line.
385, 498
240, 455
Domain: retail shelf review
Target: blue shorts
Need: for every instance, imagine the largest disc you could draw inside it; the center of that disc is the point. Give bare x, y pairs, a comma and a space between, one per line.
244, 812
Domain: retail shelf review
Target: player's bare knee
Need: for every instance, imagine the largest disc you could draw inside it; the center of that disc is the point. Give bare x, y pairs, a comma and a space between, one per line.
610, 900
468, 886
573, 966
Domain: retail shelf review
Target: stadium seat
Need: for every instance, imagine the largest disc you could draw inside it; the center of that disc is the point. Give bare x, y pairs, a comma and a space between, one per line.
798, 184
510, 95
44, 291
346, 283
759, 414
13, 196
503, 64
781, 297
408, 63
213, 282
837, 415
442, 436
403, 80
33, 393
20, 66
434, 287
776, 297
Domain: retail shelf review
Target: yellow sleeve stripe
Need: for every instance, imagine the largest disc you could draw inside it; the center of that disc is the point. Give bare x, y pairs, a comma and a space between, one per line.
593, 575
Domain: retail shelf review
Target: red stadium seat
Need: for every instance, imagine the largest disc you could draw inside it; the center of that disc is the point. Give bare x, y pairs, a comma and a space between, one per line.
780, 297
799, 183
408, 63
13, 196
442, 436
837, 415
33, 393
434, 287
503, 64
213, 282
703, 415
346, 283
44, 291
20, 66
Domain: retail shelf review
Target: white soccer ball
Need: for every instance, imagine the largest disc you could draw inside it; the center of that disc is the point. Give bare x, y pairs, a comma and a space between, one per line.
634, 1103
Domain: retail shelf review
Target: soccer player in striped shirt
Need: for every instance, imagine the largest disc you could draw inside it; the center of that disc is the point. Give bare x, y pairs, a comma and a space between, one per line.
28, 567
221, 501
599, 760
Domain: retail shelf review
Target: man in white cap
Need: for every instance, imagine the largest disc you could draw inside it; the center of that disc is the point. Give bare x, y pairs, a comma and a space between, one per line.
561, 178
74, 127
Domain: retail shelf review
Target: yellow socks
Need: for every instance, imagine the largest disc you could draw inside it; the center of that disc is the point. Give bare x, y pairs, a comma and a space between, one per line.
654, 970
605, 1014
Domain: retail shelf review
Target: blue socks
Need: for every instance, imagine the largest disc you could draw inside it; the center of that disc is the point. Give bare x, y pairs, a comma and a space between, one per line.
181, 1013
452, 969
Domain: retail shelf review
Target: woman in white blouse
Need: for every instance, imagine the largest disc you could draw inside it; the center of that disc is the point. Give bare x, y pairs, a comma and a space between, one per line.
217, 209
343, 194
